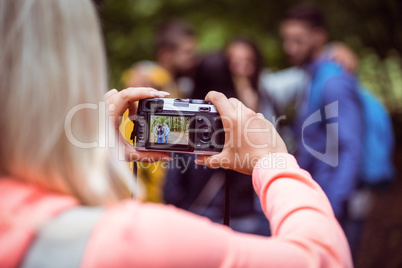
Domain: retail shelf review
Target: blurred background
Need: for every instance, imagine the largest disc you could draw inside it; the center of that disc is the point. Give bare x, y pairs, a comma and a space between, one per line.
372, 28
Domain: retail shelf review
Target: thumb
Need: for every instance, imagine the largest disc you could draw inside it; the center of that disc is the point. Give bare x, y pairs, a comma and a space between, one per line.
211, 161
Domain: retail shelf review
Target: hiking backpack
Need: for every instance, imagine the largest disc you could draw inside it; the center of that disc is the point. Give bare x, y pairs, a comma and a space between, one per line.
378, 141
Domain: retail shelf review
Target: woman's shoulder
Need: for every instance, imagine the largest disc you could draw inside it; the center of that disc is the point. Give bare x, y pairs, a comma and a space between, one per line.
24, 208
135, 232
16, 194
138, 211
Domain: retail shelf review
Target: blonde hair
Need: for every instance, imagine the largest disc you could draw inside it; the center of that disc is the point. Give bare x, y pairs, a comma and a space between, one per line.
52, 59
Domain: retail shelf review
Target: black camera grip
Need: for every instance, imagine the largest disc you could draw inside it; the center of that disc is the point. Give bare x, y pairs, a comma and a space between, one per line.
135, 131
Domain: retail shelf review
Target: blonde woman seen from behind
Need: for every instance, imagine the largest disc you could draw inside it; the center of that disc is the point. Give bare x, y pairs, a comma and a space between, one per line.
65, 196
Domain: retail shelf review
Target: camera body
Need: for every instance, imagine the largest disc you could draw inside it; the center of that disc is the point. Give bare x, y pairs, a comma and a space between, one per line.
178, 125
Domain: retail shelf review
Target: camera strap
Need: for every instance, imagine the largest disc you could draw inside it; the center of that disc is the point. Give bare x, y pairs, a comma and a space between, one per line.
135, 173
133, 138
226, 211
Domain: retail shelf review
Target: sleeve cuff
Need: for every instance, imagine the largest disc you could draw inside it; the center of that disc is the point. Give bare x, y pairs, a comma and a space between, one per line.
271, 164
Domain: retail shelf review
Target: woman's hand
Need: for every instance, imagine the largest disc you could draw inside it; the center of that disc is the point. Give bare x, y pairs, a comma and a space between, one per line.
345, 56
118, 103
248, 136
245, 92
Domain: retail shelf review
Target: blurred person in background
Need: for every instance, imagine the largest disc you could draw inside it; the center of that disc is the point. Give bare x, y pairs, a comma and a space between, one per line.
329, 147
160, 134
286, 89
166, 130
275, 94
245, 64
235, 72
238, 72
64, 203
175, 59
175, 54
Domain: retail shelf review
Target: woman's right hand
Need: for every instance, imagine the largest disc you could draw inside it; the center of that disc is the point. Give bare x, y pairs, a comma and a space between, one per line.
248, 136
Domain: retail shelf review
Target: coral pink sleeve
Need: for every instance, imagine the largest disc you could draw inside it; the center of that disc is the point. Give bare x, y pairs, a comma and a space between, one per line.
305, 231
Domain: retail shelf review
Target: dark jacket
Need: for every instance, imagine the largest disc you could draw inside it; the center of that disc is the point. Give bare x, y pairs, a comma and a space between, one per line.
197, 188
330, 140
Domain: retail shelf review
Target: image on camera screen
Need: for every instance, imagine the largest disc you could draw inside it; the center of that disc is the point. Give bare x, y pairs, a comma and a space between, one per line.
169, 129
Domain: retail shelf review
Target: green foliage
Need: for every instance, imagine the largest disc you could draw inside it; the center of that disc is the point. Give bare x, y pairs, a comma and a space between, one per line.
175, 123
383, 77
371, 27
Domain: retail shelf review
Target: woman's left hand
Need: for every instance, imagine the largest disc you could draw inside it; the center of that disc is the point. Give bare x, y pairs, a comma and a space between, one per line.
117, 103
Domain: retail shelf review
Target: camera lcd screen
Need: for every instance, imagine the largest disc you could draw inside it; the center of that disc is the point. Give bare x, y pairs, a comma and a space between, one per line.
169, 129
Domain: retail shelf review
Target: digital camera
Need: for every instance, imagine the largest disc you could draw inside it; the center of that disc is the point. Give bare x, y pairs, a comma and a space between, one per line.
178, 125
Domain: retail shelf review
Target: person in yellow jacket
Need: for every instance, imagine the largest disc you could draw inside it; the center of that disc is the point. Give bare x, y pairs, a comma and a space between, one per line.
175, 55
146, 73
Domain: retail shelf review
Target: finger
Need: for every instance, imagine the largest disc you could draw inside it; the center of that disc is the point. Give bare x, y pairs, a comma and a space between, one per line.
214, 161
240, 106
200, 160
141, 88
248, 111
246, 108
133, 155
222, 104
260, 115
110, 93
234, 102
204, 160
125, 97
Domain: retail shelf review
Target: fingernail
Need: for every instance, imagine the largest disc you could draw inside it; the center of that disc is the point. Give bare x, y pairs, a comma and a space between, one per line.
199, 161
166, 158
162, 93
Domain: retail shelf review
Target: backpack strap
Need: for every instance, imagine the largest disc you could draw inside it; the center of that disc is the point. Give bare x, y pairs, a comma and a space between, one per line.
326, 71
62, 241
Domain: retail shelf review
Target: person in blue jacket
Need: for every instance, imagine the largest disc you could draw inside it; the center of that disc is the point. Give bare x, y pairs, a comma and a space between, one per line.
330, 123
166, 130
